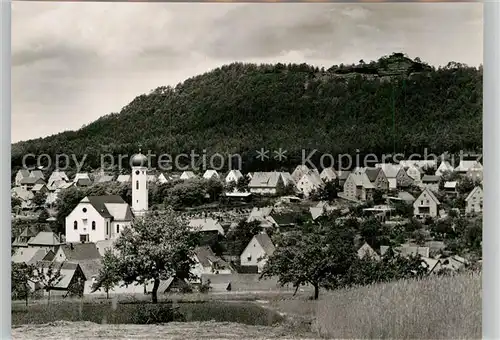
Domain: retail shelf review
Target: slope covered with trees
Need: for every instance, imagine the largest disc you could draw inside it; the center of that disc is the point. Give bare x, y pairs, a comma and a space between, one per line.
393, 104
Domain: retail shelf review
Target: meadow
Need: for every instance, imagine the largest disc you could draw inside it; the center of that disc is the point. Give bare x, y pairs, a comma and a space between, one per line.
447, 307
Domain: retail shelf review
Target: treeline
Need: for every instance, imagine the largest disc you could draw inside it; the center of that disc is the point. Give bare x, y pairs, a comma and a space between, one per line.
392, 105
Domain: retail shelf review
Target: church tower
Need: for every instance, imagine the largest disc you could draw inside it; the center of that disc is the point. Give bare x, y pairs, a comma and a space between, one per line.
139, 164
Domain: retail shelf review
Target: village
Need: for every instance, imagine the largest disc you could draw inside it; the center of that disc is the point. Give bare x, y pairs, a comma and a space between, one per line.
426, 192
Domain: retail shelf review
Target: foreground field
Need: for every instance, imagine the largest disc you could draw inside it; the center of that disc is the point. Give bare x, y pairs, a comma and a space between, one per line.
171, 331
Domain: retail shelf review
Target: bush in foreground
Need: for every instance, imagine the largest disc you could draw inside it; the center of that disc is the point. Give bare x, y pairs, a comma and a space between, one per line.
432, 308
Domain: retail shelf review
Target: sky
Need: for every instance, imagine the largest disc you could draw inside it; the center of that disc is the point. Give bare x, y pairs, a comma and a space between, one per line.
73, 62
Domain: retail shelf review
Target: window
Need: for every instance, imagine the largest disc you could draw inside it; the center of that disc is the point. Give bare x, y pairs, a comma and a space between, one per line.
137, 185
93, 225
117, 228
422, 202
427, 202
249, 257
75, 225
84, 210
107, 228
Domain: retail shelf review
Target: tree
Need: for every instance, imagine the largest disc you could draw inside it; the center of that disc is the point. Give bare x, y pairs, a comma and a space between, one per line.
242, 184
44, 215
48, 276
21, 275
312, 254
378, 197
238, 237
465, 185
109, 274
328, 192
39, 199
156, 247
213, 188
15, 202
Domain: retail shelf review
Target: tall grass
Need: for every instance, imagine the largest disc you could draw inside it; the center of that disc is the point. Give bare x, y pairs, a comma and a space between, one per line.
431, 308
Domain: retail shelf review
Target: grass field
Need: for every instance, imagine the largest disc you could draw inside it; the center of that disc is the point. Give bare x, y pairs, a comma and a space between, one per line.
432, 308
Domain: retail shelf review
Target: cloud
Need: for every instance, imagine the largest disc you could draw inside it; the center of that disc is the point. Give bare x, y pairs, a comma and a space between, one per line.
74, 62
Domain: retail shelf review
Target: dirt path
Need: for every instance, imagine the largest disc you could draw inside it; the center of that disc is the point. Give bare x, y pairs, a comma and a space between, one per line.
174, 330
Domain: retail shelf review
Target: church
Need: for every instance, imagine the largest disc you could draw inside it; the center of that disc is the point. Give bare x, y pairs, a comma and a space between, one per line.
98, 218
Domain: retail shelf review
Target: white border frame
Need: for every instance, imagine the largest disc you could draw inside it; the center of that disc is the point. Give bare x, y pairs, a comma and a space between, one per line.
5, 222
491, 140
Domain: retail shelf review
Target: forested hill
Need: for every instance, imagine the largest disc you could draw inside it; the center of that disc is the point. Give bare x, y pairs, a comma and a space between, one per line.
240, 108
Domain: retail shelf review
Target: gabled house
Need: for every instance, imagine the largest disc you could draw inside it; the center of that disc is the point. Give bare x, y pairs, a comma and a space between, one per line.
300, 171
124, 179
83, 182
29, 182
71, 275
444, 167
37, 174
206, 225
40, 188
57, 176
475, 172
97, 218
328, 174
28, 233
309, 182
23, 194
377, 178
342, 176
104, 179
450, 187
269, 183
257, 251
431, 182
211, 174
206, 262
187, 175
233, 176
407, 250
21, 174
75, 252
366, 251
31, 255
474, 201
45, 239
287, 179
426, 204
414, 172
358, 187
465, 165
396, 175
262, 216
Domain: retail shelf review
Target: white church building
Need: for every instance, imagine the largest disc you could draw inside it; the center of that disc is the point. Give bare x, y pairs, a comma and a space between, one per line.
98, 218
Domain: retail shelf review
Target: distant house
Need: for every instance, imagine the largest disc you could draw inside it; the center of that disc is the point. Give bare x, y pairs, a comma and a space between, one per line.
21, 174
97, 218
262, 216
233, 176
75, 252
377, 177
431, 182
37, 174
58, 185
124, 179
257, 251
211, 174
450, 187
358, 187
71, 275
406, 197
29, 182
28, 234
22, 194
57, 176
300, 171
40, 188
366, 251
83, 182
206, 225
266, 183
45, 239
104, 179
51, 199
187, 175
81, 175
414, 172
206, 262
465, 165
309, 182
287, 179
474, 201
328, 174
426, 204
32, 255
475, 172
444, 167
396, 175
407, 250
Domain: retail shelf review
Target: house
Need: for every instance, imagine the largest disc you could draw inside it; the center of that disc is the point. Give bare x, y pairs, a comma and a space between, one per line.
71, 275
37, 174
104, 179
465, 165
342, 176
444, 167
22, 193
450, 187
45, 239
426, 204
81, 175
358, 187
406, 197
431, 182
377, 178
233, 176
29, 182
475, 172
287, 179
407, 250
29, 255
40, 188
57, 176
414, 172
211, 174
58, 184
309, 182
396, 175
27, 234
474, 201
97, 218
51, 199
300, 171
366, 251
151, 178
206, 225
124, 179
206, 262
23, 173
262, 216
187, 175
257, 251
266, 183
328, 174
283, 219
66, 186
75, 252
83, 182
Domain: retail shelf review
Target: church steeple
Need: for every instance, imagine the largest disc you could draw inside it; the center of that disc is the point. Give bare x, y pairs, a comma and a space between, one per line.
139, 164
